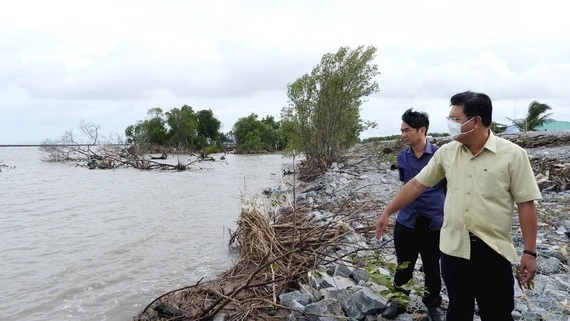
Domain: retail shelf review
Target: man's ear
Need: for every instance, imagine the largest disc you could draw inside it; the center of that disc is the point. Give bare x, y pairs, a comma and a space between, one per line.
478, 120
422, 130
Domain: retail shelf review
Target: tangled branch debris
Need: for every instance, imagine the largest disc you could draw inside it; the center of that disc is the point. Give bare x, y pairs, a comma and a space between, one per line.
552, 174
274, 257
5, 167
93, 151
540, 139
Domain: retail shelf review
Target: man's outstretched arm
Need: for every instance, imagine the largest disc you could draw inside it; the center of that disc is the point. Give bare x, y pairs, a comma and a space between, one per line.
409, 192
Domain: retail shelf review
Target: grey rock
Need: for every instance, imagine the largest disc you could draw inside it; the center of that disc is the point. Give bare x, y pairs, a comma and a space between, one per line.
364, 302
298, 307
344, 179
532, 316
359, 275
314, 294
540, 282
343, 295
563, 282
288, 298
378, 288
548, 304
554, 252
337, 282
339, 269
561, 230
517, 315
520, 307
556, 294
314, 282
543, 246
324, 310
551, 265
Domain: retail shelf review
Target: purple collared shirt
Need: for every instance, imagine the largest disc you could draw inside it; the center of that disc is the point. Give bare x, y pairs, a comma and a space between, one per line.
430, 203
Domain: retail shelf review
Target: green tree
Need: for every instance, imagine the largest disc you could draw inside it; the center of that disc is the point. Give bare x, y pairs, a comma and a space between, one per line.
247, 132
323, 115
156, 132
178, 127
208, 128
183, 125
533, 118
134, 133
151, 131
253, 134
271, 134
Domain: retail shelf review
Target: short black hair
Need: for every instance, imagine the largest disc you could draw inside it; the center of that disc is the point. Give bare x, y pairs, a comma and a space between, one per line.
475, 104
416, 119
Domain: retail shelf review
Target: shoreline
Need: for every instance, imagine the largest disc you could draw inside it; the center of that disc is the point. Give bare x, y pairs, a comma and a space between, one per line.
366, 183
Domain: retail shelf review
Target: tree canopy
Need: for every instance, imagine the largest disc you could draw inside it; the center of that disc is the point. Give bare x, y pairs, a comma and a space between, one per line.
322, 118
252, 134
177, 127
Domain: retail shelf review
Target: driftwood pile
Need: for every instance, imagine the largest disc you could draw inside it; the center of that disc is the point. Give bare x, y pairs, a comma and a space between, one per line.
552, 174
540, 139
114, 156
274, 258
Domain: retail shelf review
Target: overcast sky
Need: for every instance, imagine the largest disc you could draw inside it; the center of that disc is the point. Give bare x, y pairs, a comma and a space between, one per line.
108, 62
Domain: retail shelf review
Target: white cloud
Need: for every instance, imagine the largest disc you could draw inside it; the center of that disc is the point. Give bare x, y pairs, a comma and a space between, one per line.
110, 61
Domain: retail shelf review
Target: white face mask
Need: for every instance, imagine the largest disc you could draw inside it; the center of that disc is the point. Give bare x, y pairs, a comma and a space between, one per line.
455, 128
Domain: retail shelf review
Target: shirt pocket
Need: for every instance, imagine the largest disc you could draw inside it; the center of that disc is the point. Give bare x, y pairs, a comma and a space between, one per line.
494, 184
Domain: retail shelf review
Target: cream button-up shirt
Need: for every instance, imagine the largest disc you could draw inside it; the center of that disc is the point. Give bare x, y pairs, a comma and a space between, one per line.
481, 192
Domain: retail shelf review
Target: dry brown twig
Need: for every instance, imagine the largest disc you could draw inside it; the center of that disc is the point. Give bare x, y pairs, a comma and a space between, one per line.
273, 258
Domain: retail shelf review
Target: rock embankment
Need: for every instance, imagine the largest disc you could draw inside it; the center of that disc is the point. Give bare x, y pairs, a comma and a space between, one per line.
549, 300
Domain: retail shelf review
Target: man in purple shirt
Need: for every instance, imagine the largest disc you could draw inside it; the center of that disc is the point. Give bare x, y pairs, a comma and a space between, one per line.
418, 224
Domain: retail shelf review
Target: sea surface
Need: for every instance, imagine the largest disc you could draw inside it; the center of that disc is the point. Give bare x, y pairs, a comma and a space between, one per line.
80, 244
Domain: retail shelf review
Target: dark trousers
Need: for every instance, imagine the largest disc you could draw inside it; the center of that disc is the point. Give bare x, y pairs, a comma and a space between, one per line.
487, 277
411, 242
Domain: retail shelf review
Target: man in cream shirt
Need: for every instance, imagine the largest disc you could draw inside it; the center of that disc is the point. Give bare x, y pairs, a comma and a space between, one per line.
486, 175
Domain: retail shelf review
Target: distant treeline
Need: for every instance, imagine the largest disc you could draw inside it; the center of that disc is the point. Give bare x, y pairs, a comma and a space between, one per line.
396, 137
200, 130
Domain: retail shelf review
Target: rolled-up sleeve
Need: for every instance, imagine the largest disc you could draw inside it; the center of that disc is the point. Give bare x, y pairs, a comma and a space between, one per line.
523, 186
